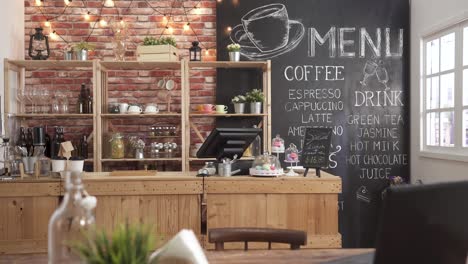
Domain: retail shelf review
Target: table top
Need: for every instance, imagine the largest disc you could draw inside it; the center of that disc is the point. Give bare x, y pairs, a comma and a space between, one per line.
330, 256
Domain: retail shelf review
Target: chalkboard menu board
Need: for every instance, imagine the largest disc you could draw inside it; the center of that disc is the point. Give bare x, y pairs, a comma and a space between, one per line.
336, 64
316, 147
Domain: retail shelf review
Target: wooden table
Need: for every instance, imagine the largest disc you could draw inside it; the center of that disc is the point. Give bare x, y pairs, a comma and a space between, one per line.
348, 256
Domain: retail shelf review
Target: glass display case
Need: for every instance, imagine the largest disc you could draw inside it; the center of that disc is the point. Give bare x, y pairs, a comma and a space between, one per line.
266, 165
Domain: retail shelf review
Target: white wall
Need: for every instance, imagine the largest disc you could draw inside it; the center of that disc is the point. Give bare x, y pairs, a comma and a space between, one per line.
11, 35
425, 16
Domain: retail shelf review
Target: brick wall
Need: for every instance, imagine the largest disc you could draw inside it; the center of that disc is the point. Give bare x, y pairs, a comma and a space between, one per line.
128, 86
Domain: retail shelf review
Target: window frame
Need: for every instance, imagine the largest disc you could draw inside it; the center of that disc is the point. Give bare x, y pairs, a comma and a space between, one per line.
458, 151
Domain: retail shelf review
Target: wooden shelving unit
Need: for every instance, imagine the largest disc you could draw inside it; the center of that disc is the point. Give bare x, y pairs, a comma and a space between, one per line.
265, 117
104, 119
101, 119
16, 81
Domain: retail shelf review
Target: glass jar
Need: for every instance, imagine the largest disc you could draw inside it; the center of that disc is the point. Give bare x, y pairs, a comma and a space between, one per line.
291, 154
68, 222
117, 146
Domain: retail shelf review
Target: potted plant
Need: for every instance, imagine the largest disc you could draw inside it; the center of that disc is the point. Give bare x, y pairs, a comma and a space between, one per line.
158, 49
127, 244
239, 103
81, 50
255, 98
234, 52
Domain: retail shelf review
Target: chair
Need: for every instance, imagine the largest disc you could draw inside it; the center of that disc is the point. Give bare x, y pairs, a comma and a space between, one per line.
219, 236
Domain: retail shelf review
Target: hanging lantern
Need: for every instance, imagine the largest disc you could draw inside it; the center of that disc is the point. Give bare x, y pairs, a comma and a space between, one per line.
39, 45
195, 52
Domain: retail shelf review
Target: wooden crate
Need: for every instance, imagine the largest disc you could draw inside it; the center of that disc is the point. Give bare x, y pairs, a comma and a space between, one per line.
157, 53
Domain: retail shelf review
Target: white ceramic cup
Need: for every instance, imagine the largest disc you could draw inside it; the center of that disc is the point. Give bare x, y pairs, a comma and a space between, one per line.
58, 165
75, 165
151, 109
221, 108
123, 107
134, 109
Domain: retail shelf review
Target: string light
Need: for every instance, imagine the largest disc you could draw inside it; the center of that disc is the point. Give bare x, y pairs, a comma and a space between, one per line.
67, 2
86, 16
109, 3
122, 21
38, 2
53, 35
196, 10
102, 22
207, 52
170, 30
229, 29
47, 23
187, 26
164, 18
219, 1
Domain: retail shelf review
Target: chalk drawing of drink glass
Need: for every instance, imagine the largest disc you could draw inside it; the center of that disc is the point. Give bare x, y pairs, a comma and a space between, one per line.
382, 76
369, 70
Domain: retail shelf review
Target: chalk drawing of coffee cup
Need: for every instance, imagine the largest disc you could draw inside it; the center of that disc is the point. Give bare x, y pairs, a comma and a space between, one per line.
266, 32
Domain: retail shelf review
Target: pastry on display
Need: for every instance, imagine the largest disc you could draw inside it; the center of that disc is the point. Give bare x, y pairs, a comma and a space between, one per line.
266, 165
277, 145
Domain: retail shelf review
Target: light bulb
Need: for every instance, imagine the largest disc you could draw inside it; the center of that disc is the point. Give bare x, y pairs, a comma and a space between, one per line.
67, 2
102, 22
164, 18
186, 26
196, 10
53, 35
207, 52
86, 16
122, 21
38, 2
47, 23
109, 3
229, 29
219, 1
170, 30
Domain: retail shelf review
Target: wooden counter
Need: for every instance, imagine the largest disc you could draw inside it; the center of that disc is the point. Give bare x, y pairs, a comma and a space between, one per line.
309, 204
172, 201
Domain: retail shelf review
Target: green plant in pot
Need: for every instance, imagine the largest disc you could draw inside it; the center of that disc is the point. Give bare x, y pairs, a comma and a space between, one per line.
127, 244
81, 50
255, 98
151, 41
234, 52
239, 103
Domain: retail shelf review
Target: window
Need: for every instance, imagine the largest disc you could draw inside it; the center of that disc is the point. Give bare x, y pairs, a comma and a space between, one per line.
444, 84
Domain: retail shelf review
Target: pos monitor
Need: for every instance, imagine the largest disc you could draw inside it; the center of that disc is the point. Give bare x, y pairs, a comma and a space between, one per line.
227, 142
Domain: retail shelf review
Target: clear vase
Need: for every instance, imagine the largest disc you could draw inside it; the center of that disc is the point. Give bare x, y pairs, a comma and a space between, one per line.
118, 47
68, 222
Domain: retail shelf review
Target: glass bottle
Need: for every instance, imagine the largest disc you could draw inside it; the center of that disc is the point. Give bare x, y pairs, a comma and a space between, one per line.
89, 101
68, 222
81, 105
117, 146
83, 147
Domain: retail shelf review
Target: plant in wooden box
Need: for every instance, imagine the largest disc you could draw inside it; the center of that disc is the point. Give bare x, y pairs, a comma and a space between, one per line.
162, 49
234, 52
81, 50
239, 103
127, 244
255, 98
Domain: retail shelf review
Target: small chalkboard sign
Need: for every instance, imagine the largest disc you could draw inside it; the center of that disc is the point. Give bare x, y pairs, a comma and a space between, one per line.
316, 149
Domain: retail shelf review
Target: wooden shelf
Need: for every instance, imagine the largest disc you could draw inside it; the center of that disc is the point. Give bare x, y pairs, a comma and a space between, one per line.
213, 159
145, 159
155, 137
51, 115
141, 115
51, 64
228, 64
226, 115
140, 65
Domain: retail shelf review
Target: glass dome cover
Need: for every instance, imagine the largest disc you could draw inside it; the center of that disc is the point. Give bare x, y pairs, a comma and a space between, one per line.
266, 165
277, 145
